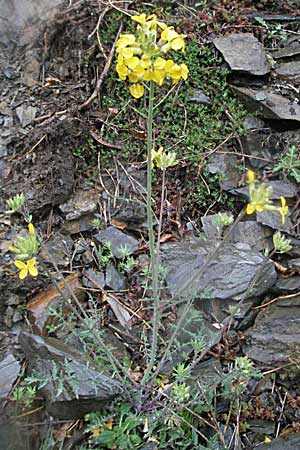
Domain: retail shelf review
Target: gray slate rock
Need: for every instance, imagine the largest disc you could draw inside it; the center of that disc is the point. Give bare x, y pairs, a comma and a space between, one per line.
249, 232
198, 96
290, 442
118, 239
84, 388
244, 53
287, 285
114, 279
268, 105
26, 114
59, 249
227, 275
273, 220
289, 71
9, 372
275, 334
81, 203
225, 165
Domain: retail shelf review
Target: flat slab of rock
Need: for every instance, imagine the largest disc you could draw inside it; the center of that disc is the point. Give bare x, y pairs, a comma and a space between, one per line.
18, 17
289, 71
81, 203
227, 275
118, 240
249, 232
9, 372
275, 334
267, 104
84, 390
243, 53
290, 442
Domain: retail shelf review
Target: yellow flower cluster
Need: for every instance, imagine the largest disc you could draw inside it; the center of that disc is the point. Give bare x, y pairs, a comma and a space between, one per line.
162, 159
25, 247
260, 198
141, 56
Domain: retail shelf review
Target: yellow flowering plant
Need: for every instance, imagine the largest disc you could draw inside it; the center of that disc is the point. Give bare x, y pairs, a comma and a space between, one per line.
260, 198
142, 56
25, 248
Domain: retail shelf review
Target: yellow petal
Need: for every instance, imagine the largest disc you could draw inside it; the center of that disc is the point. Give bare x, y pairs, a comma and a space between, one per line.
31, 228
250, 176
126, 53
178, 43
250, 208
137, 90
283, 201
125, 40
20, 264
158, 76
23, 274
31, 263
33, 271
184, 71
259, 208
168, 34
139, 19
145, 62
159, 63
132, 62
133, 78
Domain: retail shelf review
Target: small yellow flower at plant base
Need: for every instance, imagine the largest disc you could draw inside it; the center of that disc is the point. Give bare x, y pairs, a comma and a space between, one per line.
162, 159
260, 198
26, 267
137, 90
155, 155
283, 209
250, 176
31, 228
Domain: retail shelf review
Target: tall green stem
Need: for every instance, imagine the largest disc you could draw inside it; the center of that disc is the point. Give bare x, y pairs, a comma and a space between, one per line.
154, 267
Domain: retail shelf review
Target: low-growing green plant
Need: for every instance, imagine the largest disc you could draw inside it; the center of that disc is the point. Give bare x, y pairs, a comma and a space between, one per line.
24, 395
289, 164
103, 255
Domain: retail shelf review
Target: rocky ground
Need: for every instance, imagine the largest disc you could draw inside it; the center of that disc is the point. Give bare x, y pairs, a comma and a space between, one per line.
85, 188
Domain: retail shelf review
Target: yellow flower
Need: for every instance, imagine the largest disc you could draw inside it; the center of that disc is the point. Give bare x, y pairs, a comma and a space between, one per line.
145, 62
155, 155
178, 43
26, 267
158, 76
140, 57
142, 18
122, 71
283, 209
168, 34
125, 53
250, 176
159, 63
125, 40
31, 228
137, 90
184, 71
260, 198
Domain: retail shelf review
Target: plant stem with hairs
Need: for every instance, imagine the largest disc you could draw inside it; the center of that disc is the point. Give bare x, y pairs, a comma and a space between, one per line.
153, 258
